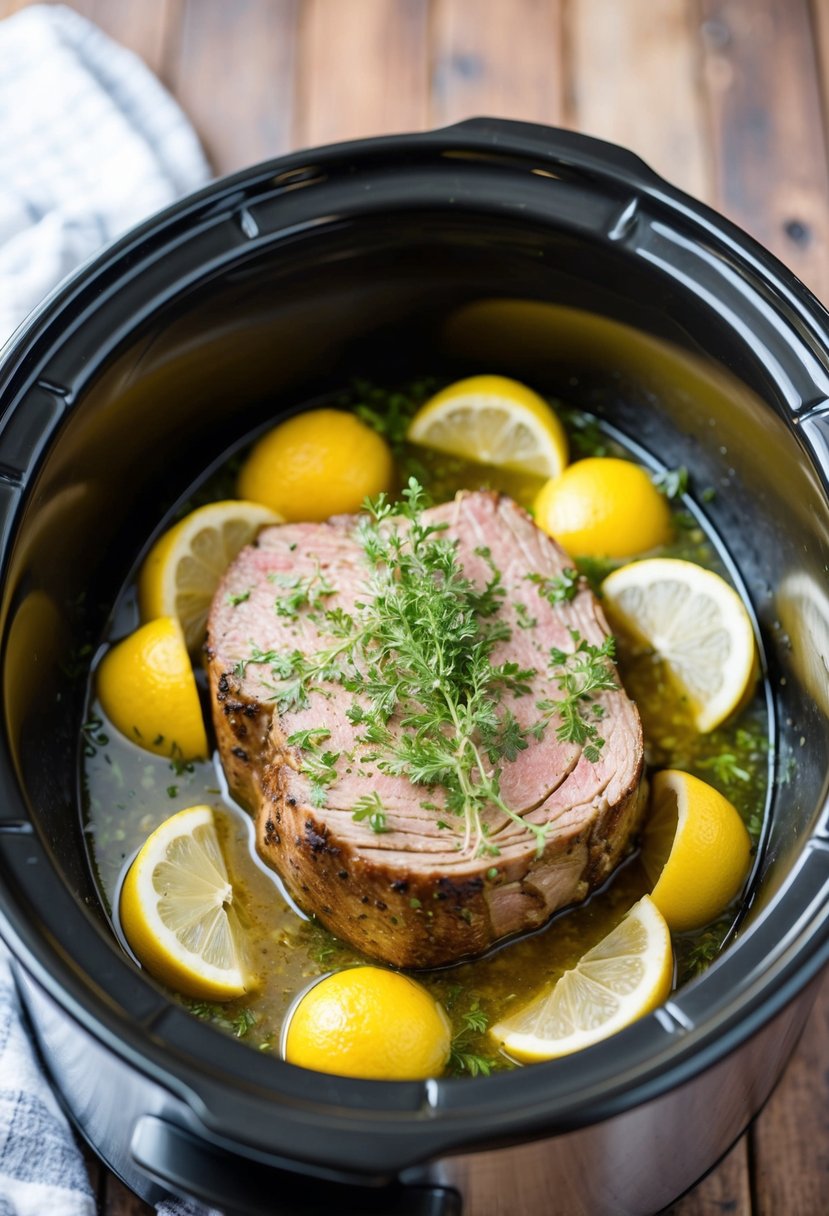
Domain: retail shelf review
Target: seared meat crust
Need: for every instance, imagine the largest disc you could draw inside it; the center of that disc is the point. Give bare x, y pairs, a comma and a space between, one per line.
410, 895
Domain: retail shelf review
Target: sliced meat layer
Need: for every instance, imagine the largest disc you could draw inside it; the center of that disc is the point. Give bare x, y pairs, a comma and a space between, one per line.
416, 894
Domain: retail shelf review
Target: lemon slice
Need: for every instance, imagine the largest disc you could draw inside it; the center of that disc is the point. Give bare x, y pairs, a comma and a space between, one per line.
695, 850
177, 909
147, 689
621, 979
496, 421
180, 574
696, 623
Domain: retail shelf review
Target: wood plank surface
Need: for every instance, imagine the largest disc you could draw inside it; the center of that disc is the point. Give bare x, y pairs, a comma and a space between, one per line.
635, 80
489, 57
790, 1142
766, 128
727, 98
820, 23
118, 1201
363, 69
727, 1189
232, 68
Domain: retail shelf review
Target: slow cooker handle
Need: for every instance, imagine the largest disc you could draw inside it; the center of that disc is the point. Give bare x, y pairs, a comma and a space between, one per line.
554, 143
239, 1186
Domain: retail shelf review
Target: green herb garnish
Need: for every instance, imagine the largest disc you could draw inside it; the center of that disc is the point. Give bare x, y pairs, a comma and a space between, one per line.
418, 647
522, 616
389, 413
461, 1059
673, 483
726, 768
585, 432
311, 737
208, 1011
596, 570
93, 736
558, 588
307, 593
370, 808
178, 764
580, 674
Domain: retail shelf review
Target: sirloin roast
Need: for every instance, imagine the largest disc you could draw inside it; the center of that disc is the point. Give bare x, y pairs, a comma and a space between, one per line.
403, 880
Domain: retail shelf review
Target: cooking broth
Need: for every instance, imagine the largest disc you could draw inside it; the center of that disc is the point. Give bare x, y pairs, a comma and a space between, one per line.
127, 793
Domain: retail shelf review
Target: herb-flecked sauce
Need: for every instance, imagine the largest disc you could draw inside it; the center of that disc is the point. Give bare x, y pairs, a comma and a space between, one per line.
128, 792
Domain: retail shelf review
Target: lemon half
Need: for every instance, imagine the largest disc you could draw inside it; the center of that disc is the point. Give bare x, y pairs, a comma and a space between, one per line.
369, 1022
604, 507
148, 691
180, 574
493, 420
696, 623
177, 910
320, 463
621, 979
695, 850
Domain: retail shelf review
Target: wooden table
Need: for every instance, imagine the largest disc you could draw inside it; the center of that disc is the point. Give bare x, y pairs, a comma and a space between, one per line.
727, 98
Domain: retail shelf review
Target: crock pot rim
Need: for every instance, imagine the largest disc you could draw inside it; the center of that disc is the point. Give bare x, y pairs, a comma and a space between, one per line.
606, 162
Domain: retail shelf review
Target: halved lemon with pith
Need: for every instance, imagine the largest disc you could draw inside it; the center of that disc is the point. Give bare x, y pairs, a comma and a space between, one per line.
317, 464
178, 913
604, 507
180, 575
493, 420
621, 979
147, 689
695, 850
696, 623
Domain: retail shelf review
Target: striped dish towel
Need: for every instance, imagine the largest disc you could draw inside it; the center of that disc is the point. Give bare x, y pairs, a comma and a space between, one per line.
90, 143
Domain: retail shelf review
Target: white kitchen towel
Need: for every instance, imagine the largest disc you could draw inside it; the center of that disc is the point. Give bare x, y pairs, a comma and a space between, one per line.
42, 1172
90, 143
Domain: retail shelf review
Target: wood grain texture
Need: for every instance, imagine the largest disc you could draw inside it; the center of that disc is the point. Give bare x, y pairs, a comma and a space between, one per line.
232, 69
146, 30
791, 1139
500, 59
363, 69
727, 1189
118, 1201
766, 128
820, 31
635, 80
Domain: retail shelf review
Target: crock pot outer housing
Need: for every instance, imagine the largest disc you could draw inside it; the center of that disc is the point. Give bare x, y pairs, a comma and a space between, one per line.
112, 401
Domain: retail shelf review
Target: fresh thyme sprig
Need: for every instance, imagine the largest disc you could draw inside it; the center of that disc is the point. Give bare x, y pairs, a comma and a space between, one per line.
461, 1059
208, 1011
418, 647
558, 588
580, 674
307, 593
370, 808
423, 651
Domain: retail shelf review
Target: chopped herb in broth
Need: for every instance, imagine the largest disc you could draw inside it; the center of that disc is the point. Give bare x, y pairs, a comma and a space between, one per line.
127, 793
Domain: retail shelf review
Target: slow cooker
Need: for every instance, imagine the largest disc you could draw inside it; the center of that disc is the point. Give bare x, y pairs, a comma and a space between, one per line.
488, 246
